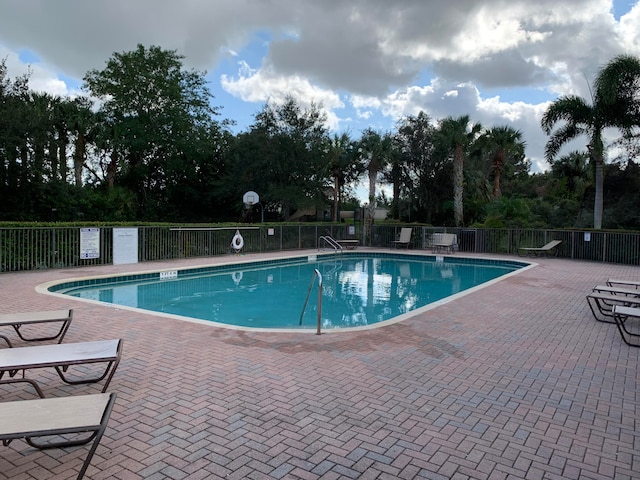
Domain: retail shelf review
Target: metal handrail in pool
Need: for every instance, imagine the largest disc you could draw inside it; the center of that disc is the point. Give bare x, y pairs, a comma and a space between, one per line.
316, 273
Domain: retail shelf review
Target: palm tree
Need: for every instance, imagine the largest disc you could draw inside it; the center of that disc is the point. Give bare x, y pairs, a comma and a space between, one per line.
342, 167
613, 106
580, 118
456, 137
504, 143
81, 122
374, 150
572, 168
618, 87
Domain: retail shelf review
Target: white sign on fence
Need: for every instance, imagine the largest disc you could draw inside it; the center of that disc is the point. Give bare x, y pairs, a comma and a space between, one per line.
125, 245
89, 243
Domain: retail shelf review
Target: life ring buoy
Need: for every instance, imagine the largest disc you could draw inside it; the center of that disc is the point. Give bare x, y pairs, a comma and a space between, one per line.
238, 242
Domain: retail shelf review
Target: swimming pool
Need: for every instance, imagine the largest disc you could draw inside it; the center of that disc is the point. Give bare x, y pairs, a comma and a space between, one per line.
359, 289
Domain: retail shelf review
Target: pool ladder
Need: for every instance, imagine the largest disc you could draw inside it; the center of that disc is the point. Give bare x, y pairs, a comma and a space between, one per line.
316, 273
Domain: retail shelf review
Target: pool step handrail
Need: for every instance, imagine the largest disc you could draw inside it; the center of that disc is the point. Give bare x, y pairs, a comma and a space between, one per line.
316, 273
329, 240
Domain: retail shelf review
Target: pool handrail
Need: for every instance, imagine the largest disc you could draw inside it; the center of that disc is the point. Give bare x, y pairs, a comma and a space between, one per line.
316, 273
328, 239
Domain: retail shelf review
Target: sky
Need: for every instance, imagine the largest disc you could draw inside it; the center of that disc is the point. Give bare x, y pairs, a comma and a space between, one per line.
368, 62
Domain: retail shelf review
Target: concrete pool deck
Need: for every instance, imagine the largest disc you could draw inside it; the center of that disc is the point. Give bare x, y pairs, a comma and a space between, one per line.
516, 380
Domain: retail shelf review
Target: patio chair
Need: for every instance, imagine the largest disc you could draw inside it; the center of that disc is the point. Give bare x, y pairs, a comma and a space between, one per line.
622, 316
447, 242
602, 304
61, 357
404, 239
35, 420
548, 249
19, 320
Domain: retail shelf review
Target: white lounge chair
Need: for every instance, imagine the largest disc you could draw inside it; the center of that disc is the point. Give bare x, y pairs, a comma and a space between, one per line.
405, 238
19, 320
625, 283
61, 357
34, 420
548, 249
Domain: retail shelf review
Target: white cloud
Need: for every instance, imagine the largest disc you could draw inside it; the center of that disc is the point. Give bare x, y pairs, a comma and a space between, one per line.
364, 60
264, 85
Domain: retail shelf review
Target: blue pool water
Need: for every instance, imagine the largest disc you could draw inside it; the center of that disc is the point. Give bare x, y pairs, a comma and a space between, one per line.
358, 289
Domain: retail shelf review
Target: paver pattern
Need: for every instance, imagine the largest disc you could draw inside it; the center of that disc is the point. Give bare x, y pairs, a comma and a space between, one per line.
513, 381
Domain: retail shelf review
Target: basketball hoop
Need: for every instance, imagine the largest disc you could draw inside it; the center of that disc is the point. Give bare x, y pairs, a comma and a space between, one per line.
250, 199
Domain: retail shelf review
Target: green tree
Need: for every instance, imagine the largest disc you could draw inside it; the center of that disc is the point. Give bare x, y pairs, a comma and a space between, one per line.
505, 144
151, 105
82, 124
572, 170
423, 174
282, 157
343, 167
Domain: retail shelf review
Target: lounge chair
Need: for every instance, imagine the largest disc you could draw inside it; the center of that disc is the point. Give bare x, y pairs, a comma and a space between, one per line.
349, 244
548, 249
622, 315
602, 303
34, 420
627, 283
61, 357
617, 290
19, 320
444, 241
405, 238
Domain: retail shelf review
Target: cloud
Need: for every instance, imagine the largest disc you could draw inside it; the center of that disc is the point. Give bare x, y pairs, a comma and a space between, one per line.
264, 85
366, 61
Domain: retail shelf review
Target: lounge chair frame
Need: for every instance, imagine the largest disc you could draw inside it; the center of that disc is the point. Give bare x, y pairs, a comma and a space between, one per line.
19, 320
61, 357
621, 316
34, 420
602, 304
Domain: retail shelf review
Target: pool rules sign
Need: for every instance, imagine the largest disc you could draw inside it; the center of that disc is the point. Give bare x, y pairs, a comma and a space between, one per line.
125, 245
89, 243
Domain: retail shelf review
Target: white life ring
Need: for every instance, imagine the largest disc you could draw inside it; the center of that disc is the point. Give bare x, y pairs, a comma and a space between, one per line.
236, 277
238, 242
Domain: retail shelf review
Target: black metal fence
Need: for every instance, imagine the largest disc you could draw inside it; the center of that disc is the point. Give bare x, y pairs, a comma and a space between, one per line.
23, 249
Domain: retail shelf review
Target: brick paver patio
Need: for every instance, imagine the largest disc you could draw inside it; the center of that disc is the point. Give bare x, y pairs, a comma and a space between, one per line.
516, 380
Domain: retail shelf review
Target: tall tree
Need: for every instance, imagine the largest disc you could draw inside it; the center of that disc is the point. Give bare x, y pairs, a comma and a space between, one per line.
343, 167
283, 158
613, 105
152, 104
422, 174
457, 136
81, 120
374, 150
